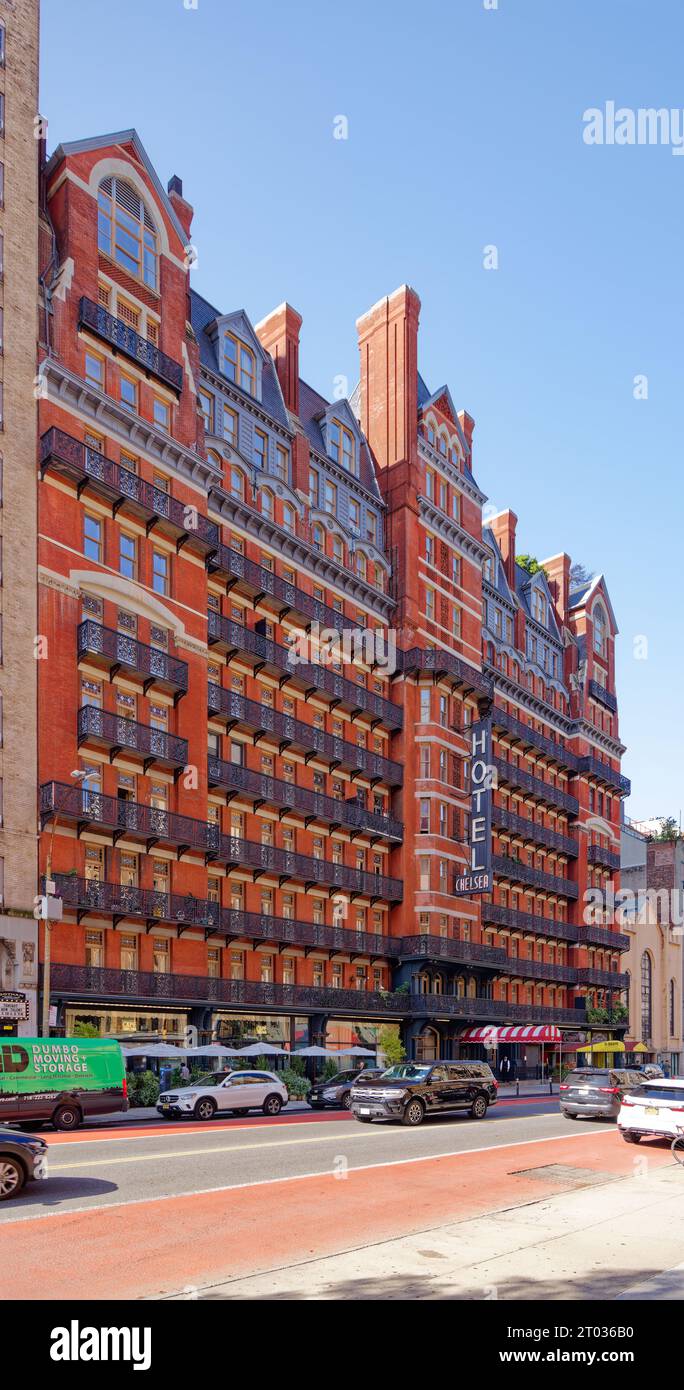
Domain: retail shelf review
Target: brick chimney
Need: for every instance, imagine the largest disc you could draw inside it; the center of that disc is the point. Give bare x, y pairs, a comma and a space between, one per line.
467, 425
388, 345
183, 210
278, 334
504, 526
558, 571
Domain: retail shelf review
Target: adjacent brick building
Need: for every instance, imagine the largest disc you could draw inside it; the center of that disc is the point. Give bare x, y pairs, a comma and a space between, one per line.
251, 834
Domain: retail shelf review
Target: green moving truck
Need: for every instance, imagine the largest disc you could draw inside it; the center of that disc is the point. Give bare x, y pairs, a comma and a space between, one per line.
60, 1079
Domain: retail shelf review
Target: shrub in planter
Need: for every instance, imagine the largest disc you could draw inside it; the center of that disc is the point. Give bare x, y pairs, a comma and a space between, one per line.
298, 1086
143, 1089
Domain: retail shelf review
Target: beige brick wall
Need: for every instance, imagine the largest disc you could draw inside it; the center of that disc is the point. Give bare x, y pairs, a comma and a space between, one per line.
18, 297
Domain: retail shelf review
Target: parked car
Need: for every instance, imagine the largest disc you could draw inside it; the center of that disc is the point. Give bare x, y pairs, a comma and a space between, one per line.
23, 1158
654, 1108
61, 1080
650, 1071
596, 1092
227, 1093
336, 1091
411, 1090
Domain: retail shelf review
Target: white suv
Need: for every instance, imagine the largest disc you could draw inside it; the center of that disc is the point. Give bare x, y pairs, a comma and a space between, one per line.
232, 1093
652, 1109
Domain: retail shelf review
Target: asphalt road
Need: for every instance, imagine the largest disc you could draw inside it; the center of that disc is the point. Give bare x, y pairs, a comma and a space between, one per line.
119, 1166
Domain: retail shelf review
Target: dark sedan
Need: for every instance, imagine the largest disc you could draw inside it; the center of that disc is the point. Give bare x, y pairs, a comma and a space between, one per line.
23, 1158
336, 1091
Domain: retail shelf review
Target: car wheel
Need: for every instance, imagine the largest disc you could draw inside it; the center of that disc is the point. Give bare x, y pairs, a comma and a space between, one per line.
479, 1108
205, 1108
12, 1178
272, 1105
414, 1113
345, 1100
67, 1117
631, 1138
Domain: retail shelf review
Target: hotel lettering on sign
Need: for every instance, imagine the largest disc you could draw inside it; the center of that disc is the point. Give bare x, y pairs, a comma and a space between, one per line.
479, 877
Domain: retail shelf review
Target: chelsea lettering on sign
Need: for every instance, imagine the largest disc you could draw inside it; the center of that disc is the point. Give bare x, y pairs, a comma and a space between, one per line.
479, 877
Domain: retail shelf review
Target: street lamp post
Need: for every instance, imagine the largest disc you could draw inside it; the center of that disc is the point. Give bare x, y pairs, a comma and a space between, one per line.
78, 777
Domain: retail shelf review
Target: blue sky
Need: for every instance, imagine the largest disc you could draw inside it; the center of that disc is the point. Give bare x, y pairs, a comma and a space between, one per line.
465, 130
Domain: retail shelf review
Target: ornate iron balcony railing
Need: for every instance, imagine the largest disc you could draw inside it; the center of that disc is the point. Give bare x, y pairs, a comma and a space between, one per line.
606, 697
597, 935
122, 487
517, 777
121, 901
262, 788
530, 738
260, 926
528, 921
121, 336
126, 818
609, 979
598, 854
288, 599
444, 663
526, 873
297, 734
116, 733
595, 767
123, 653
530, 830
235, 639
287, 864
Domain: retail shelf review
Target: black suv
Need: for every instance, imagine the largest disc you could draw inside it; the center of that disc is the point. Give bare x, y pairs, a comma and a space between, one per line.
411, 1090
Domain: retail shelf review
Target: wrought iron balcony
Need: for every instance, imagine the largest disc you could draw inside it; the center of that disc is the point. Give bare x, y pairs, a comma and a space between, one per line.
597, 854
532, 833
444, 665
124, 339
116, 734
121, 901
238, 712
526, 969
526, 737
518, 872
285, 864
126, 490
235, 640
92, 982
264, 587
517, 777
607, 979
126, 819
597, 935
291, 931
314, 806
475, 953
116, 651
516, 920
592, 766
605, 697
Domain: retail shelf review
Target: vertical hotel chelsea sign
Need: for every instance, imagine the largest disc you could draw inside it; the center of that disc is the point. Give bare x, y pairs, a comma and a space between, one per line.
478, 879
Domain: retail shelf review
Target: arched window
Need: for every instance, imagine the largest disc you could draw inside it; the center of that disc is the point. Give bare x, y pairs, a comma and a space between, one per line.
600, 631
672, 1010
646, 997
427, 1046
318, 537
239, 363
379, 578
338, 549
361, 564
288, 518
437, 985
237, 483
125, 230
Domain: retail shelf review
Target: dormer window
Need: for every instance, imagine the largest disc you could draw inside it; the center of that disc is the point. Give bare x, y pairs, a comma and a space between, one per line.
342, 446
239, 363
539, 607
125, 230
600, 632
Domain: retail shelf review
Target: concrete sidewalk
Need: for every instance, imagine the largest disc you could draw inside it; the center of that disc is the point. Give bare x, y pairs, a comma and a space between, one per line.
615, 1238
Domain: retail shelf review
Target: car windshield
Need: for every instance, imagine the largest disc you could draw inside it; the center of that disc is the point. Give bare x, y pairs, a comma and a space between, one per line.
406, 1071
206, 1078
341, 1076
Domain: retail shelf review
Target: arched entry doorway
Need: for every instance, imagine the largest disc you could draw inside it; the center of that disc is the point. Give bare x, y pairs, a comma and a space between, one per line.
427, 1045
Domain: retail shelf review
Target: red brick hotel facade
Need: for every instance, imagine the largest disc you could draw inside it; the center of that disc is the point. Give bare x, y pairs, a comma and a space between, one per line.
262, 846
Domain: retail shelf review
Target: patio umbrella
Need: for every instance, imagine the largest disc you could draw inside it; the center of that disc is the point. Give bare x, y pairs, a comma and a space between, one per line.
355, 1052
211, 1050
260, 1050
313, 1052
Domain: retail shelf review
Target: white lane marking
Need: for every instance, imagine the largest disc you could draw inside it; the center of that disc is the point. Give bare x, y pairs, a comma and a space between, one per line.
269, 1182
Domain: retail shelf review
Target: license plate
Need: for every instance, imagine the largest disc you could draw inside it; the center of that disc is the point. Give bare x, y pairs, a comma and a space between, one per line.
166, 1107
584, 1090
651, 1109
364, 1110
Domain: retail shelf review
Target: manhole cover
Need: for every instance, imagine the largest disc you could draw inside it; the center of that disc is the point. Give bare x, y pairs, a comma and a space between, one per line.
564, 1173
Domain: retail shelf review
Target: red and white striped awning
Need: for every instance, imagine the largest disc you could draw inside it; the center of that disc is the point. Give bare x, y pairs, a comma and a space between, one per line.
519, 1032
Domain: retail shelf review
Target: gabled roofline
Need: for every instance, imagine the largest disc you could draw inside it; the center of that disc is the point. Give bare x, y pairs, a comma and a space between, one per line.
119, 137
599, 579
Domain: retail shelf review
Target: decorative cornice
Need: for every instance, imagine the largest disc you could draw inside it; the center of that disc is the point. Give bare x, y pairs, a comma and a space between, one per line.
68, 390
233, 512
451, 531
583, 729
529, 702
